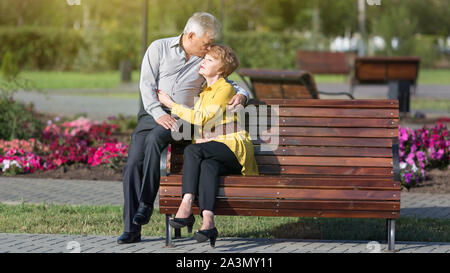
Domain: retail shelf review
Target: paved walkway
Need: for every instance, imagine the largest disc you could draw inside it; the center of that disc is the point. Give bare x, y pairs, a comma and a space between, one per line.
48, 243
79, 192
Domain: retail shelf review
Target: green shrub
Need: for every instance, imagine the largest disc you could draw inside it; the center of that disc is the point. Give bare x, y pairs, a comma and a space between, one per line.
9, 67
265, 50
99, 49
18, 121
41, 48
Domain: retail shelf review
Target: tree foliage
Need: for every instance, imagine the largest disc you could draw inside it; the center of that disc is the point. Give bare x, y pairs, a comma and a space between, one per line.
336, 17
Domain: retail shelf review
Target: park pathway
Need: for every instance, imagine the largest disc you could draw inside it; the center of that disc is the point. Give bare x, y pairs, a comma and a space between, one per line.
81, 192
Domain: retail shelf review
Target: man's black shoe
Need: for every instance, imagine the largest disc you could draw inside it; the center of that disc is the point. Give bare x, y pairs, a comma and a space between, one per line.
129, 238
143, 214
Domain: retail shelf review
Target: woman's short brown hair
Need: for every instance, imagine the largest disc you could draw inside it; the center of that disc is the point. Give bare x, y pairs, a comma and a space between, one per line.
226, 56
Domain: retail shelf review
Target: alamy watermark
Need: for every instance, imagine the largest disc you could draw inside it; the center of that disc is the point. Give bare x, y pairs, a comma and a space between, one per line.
374, 2
373, 247
74, 247
73, 2
261, 122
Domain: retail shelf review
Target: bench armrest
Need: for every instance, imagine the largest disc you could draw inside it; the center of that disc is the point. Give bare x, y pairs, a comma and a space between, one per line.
163, 162
396, 162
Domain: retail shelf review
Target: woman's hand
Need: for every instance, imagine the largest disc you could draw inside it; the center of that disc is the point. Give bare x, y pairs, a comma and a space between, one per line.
165, 99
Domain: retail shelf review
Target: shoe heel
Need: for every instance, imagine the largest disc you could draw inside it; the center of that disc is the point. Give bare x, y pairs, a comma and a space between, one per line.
189, 228
212, 241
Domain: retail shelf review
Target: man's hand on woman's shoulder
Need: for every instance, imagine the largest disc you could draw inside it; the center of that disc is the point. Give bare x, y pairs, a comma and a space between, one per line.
236, 102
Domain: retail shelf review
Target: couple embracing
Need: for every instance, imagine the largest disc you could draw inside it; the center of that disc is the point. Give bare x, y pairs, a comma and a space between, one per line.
174, 72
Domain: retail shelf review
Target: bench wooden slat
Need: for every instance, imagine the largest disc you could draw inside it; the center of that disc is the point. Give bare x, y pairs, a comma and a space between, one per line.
331, 132
312, 151
330, 151
300, 182
320, 170
330, 141
330, 122
333, 112
290, 91
294, 213
312, 103
294, 193
293, 204
314, 161
323, 161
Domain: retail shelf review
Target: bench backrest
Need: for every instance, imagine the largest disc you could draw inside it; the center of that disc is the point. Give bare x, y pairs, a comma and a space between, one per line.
281, 84
322, 62
383, 69
328, 137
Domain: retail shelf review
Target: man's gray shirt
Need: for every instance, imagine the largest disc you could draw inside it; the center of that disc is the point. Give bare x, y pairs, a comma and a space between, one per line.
164, 67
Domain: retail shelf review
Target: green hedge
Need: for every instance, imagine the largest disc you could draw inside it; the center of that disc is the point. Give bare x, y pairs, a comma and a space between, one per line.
265, 50
37, 48
41, 48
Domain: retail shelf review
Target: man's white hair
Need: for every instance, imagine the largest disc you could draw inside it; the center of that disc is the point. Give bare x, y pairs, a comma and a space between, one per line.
202, 22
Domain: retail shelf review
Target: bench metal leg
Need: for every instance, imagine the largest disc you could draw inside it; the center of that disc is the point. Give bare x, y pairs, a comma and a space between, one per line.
391, 234
168, 232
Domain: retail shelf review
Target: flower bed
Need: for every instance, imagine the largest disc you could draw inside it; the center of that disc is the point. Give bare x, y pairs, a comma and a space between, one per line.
85, 142
420, 150
78, 141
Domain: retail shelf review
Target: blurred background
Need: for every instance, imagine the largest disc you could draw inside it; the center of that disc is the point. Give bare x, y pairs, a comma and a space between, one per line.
94, 48
96, 35
70, 63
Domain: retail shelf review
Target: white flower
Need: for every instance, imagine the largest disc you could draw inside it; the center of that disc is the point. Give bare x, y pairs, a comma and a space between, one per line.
8, 163
414, 168
403, 165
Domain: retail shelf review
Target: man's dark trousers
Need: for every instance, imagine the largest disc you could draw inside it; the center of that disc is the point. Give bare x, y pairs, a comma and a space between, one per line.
141, 174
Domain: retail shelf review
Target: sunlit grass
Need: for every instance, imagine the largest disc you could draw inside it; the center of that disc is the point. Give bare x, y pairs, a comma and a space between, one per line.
107, 220
50, 80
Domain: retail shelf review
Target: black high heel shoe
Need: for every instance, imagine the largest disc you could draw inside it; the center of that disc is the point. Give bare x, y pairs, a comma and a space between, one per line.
204, 235
182, 222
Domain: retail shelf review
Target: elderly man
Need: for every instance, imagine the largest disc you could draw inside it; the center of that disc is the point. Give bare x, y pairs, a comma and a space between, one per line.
170, 65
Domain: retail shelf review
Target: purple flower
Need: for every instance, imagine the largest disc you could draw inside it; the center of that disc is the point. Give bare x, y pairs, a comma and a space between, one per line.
438, 155
408, 177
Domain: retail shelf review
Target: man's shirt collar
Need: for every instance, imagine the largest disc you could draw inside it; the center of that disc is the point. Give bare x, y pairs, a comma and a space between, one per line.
176, 41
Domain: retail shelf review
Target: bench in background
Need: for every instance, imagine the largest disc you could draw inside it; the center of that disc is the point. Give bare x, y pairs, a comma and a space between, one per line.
282, 84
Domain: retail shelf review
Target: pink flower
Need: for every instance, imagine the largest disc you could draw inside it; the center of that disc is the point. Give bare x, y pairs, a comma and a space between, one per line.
403, 134
410, 159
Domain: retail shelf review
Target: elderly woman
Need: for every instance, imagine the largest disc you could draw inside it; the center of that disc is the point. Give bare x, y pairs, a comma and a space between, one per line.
207, 159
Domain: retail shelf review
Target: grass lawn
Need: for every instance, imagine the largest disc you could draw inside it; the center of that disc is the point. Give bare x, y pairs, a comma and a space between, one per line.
75, 80
110, 79
107, 220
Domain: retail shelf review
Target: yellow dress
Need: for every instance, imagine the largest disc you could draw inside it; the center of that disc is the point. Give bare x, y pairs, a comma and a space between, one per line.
209, 110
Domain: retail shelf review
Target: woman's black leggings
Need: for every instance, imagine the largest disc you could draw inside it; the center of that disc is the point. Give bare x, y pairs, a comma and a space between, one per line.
203, 164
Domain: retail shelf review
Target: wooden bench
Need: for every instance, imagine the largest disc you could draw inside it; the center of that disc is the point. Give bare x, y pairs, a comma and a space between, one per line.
399, 72
376, 70
335, 158
324, 62
282, 84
